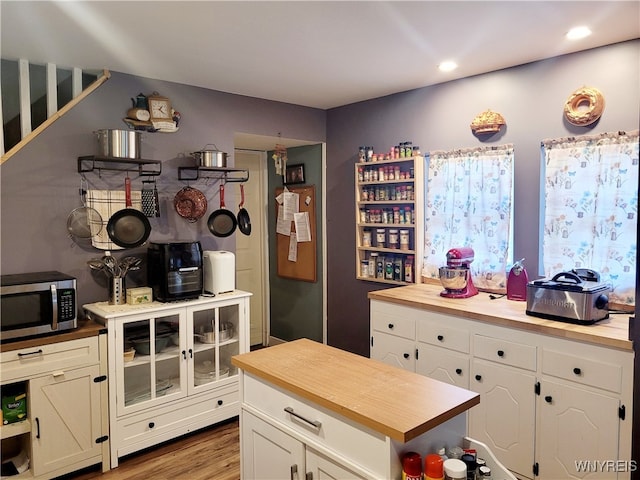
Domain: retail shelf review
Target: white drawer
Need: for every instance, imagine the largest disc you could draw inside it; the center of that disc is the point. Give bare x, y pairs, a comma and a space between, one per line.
582, 370
505, 352
336, 433
444, 365
443, 336
144, 429
394, 325
36, 361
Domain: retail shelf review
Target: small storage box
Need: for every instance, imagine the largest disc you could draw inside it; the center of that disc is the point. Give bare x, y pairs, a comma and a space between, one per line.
139, 295
14, 404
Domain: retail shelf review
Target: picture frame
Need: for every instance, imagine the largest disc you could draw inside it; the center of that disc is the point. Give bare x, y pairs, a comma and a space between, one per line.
294, 174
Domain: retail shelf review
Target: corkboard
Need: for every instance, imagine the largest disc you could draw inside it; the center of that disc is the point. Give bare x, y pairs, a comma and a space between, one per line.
305, 267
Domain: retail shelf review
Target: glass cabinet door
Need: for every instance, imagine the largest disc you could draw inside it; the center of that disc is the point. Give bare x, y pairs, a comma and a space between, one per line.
153, 352
215, 336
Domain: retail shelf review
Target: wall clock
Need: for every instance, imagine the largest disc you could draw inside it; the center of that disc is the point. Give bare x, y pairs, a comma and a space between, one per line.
159, 108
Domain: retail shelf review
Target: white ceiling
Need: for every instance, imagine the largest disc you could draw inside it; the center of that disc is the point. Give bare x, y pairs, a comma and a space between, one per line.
314, 53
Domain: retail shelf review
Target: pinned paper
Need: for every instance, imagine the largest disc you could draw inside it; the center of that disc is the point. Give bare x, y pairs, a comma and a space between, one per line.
293, 248
303, 228
283, 226
291, 204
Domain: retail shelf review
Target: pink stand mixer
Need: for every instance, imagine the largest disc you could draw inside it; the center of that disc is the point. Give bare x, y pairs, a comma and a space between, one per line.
456, 276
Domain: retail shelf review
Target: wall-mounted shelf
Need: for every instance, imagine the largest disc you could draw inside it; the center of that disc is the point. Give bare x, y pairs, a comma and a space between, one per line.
217, 173
145, 168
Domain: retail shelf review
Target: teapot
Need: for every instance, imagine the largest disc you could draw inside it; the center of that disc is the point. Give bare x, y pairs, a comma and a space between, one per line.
140, 102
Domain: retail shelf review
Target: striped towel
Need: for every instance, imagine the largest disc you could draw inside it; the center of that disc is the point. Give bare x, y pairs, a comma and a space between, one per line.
108, 202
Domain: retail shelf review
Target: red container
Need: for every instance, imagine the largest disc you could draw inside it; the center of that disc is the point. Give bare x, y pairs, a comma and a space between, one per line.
411, 466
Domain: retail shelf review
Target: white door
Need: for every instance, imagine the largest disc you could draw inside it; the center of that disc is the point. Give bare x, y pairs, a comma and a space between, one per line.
251, 250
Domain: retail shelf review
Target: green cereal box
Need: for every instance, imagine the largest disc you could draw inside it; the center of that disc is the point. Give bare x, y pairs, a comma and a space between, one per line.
14, 407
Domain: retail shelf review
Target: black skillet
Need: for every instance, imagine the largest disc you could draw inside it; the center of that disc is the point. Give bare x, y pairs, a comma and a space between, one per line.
244, 222
128, 228
222, 222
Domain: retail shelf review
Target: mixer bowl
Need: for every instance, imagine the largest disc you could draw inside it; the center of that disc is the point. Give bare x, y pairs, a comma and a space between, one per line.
454, 278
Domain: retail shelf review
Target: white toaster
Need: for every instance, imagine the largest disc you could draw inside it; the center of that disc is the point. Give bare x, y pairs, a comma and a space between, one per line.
218, 271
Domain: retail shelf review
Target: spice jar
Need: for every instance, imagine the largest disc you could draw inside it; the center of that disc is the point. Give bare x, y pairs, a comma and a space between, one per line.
364, 268
393, 238
366, 237
373, 261
408, 269
380, 237
404, 239
454, 469
433, 467
411, 466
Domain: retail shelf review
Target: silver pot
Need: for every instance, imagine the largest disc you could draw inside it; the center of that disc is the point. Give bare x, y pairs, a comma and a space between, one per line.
453, 278
119, 143
211, 158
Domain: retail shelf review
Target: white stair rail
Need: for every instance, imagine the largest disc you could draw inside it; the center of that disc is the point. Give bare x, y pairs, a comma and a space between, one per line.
27, 134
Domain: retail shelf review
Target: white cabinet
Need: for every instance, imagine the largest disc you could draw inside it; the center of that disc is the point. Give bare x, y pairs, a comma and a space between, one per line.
272, 454
63, 431
180, 377
538, 393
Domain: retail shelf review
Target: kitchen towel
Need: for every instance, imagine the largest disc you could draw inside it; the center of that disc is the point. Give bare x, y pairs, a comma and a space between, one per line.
108, 202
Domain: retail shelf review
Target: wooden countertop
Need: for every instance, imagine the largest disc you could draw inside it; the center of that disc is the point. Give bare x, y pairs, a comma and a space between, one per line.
611, 332
389, 400
86, 328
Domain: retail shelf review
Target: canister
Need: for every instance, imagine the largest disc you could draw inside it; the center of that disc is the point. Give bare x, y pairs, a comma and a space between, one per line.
455, 469
404, 239
366, 237
393, 238
380, 237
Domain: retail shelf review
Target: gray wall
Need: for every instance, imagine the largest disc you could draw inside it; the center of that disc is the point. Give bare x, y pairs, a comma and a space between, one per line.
531, 99
39, 184
296, 306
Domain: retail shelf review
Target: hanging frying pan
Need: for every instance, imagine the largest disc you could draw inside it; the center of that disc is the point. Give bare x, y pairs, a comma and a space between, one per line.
222, 222
190, 203
244, 222
128, 228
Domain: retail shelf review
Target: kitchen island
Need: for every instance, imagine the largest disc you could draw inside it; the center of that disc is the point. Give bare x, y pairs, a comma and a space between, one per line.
311, 408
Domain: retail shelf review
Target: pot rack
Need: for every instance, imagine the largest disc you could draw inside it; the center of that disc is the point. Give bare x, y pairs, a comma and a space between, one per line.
229, 175
145, 168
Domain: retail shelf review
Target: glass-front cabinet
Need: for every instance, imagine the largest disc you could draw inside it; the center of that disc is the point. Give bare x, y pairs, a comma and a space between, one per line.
170, 368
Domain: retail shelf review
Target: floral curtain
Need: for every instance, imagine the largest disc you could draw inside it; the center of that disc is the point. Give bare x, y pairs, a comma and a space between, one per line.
468, 202
590, 208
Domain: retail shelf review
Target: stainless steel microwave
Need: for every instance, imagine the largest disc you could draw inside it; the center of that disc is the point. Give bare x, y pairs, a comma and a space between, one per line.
36, 303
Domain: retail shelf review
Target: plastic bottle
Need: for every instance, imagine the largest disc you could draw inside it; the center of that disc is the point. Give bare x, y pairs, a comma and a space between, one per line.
455, 469
411, 466
433, 467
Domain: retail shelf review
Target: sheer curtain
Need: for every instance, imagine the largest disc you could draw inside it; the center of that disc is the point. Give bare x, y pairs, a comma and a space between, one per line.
468, 202
590, 208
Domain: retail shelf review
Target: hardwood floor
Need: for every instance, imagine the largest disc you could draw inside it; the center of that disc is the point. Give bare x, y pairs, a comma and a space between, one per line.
209, 454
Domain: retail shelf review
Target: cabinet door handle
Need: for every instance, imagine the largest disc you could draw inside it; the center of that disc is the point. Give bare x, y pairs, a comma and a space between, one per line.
294, 471
405, 355
577, 371
190, 353
308, 476
37, 352
500, 353
459, 371
548, 399
440, 338
313, 423
390, 326
184, 354
151, 424
37, 427
478, 377
220, 402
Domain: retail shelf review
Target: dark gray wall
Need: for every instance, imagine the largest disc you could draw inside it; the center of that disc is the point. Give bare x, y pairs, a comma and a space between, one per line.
296, 306
39, 184
531, 99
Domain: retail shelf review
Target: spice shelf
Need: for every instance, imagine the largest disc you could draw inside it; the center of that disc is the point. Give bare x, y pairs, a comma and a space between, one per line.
388, 196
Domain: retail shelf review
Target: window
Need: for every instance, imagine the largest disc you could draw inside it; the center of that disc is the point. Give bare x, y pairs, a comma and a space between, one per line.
590, 208
468, 202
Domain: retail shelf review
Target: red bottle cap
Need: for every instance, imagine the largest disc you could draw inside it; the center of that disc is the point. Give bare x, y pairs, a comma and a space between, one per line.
433, 466
412, 464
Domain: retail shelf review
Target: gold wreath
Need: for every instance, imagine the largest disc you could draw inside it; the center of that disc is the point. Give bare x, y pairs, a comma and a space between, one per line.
592, 97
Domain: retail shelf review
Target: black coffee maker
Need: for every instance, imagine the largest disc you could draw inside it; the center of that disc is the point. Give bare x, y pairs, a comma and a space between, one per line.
175, 270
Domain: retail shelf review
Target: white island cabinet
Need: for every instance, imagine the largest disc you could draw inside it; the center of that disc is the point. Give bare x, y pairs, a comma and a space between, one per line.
316, 412
542, 383
170, 369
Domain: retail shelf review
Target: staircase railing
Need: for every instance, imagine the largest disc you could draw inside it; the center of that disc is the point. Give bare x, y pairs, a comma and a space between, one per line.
20, 126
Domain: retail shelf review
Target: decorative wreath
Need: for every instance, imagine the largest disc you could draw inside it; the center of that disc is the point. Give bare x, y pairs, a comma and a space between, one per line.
575, 114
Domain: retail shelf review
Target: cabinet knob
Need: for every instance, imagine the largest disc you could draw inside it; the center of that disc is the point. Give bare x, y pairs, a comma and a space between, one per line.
152, 424
220, 402
190, 353
459, 371
440, 338
500, 353
390, 326
478, 377
577, 371
405, 355
184, 354
548, 399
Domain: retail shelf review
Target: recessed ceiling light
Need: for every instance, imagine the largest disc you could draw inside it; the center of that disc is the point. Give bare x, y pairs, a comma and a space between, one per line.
577, 33
447, 66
